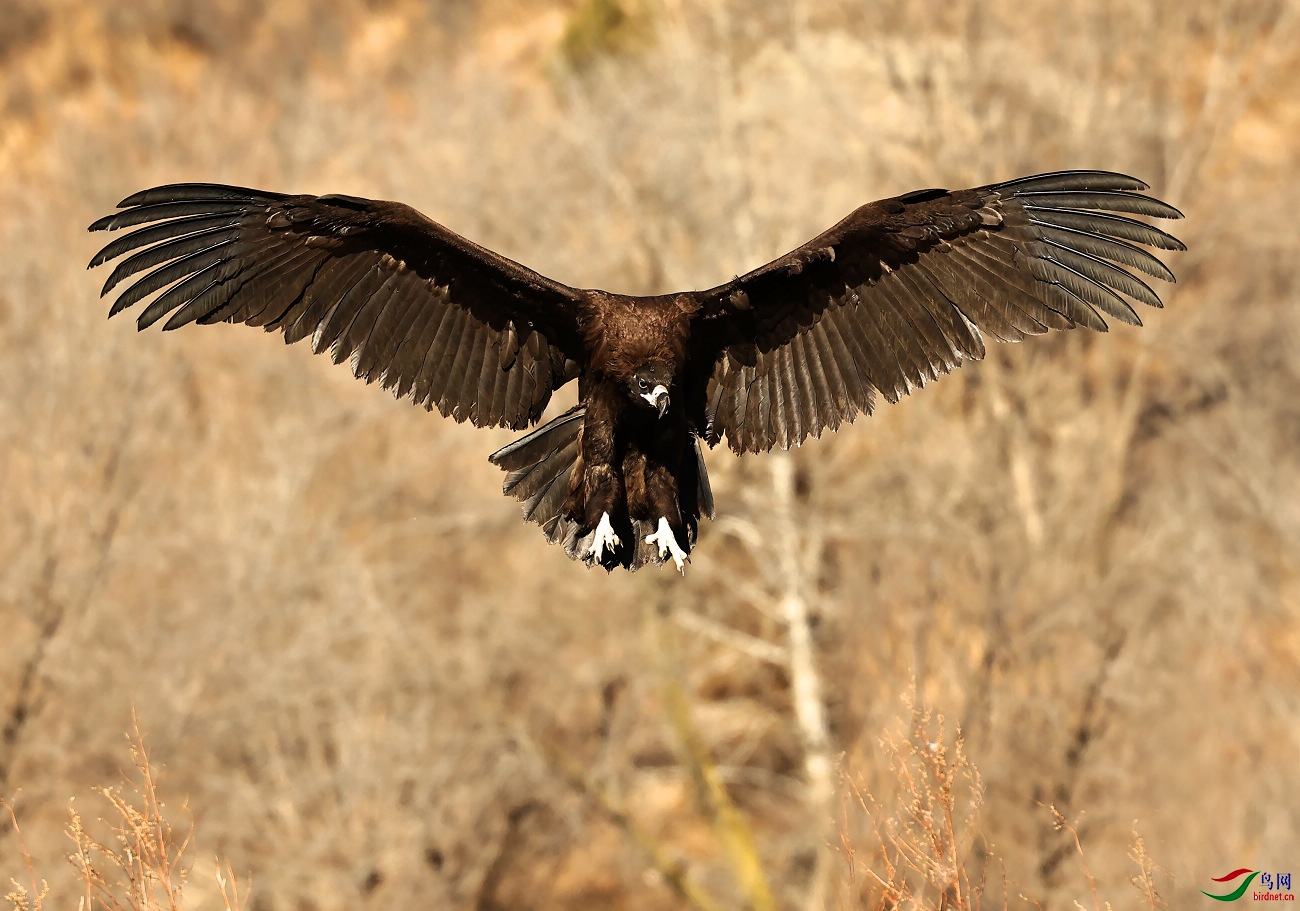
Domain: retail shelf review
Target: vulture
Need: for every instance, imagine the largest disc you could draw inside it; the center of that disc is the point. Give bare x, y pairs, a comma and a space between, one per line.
898, 293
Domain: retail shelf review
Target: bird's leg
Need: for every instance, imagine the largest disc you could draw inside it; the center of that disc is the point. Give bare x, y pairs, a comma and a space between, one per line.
602, 490
605, 537
667, 544
659, 495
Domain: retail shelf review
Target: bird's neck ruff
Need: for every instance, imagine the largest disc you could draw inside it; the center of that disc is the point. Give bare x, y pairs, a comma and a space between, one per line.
625, 334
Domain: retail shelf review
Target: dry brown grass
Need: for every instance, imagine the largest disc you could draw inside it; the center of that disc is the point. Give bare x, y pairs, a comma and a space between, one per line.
137, 860
1083, 550
925, 851
924, 854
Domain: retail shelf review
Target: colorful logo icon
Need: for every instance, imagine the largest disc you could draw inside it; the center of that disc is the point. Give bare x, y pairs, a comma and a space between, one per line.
1276, 886
1237, 892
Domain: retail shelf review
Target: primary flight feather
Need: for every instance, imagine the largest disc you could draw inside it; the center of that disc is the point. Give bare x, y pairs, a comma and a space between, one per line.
899, 292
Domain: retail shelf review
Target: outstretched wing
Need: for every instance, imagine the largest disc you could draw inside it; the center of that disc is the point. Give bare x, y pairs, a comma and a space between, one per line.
905, 289
418, 308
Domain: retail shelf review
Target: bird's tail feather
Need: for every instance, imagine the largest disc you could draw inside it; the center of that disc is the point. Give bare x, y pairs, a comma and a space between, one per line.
539, 466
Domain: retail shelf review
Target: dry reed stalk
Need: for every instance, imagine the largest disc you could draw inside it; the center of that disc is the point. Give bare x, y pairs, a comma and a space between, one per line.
140, 866
925, 843
20, 897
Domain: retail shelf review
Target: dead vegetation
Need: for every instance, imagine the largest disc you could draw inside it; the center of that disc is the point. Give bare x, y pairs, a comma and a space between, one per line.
1083, 551
133, 860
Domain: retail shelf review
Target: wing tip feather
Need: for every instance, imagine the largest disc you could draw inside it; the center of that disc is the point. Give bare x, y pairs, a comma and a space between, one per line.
195, 192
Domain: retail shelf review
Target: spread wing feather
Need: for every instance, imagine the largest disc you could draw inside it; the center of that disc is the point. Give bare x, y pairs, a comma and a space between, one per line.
905, 289
411, 305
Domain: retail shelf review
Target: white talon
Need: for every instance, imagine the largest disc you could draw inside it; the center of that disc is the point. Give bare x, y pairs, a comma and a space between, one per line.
605, 537
667, 544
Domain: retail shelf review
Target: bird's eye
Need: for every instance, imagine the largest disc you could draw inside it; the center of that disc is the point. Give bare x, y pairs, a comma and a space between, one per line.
642, 383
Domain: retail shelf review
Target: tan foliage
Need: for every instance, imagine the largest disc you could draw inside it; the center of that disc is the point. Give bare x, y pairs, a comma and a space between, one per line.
139, 865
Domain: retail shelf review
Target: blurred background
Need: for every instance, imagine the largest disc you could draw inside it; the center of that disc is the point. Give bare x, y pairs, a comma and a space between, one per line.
371, 685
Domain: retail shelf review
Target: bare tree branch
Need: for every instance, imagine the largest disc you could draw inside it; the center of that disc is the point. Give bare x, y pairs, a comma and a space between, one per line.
805, 682
726, 635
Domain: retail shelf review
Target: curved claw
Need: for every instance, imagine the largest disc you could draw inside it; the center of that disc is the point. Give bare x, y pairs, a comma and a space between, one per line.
605, 537
667, 545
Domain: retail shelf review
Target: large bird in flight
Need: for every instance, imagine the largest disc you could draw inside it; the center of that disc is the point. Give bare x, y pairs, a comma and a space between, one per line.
899, 292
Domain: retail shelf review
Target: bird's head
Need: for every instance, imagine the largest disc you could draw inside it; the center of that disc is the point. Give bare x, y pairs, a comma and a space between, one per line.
650, 384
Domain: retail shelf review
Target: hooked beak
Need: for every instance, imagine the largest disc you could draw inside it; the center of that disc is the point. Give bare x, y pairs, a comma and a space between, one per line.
658, 399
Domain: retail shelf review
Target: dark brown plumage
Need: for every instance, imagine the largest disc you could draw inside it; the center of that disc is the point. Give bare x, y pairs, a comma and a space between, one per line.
899, 292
